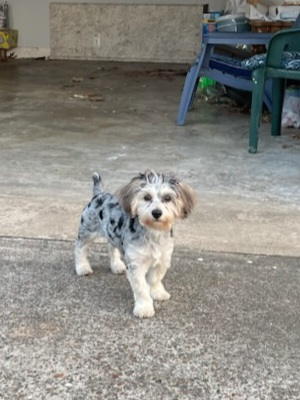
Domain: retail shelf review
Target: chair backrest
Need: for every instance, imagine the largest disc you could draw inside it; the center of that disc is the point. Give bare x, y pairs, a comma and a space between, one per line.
296, 24
285, 40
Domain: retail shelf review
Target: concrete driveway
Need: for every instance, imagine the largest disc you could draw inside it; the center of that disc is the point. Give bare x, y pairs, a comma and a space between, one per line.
231, 328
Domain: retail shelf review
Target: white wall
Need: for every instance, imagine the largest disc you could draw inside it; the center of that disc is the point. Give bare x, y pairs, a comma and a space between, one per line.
31, 18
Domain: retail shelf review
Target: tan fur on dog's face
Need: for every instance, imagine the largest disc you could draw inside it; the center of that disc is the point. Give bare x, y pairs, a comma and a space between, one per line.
150, 192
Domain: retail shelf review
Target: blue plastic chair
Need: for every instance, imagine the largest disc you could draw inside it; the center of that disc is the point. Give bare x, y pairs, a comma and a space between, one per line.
225, 70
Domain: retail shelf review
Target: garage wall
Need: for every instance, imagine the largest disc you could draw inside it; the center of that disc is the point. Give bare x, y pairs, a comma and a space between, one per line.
32, 19
118, 32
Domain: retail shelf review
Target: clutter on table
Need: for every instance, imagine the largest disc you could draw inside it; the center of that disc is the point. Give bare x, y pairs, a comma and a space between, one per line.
255, 15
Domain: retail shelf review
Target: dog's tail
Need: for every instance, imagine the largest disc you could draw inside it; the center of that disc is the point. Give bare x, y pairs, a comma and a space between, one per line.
98, 187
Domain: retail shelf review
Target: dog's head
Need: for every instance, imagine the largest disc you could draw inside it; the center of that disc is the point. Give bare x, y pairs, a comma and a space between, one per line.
157, 199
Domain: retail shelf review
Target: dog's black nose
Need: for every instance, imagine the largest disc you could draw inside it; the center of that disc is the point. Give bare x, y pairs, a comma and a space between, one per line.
157, 213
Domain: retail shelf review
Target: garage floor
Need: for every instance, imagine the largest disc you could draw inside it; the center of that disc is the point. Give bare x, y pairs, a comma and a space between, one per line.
231, 328
60, 121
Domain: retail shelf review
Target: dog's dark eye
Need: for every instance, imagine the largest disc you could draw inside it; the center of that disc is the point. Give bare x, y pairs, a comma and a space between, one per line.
167, 198
147, 197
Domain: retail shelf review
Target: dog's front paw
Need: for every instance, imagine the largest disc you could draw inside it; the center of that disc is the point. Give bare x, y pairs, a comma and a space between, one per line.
143, 310
159, 293
117, 267
83, 269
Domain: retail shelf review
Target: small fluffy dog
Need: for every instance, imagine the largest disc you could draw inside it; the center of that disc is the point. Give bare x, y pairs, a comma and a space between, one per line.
138, 226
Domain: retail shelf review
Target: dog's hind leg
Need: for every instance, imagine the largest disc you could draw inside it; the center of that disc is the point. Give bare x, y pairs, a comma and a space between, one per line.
89, 230
82, 264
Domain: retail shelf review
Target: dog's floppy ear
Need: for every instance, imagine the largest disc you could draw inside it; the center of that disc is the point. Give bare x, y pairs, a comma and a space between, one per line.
186, 197
127, 194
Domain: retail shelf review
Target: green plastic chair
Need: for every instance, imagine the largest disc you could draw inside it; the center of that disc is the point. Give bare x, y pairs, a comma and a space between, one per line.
286, 40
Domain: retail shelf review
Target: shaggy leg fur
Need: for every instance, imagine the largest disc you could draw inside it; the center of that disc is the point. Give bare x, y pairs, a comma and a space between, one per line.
116, 264
82, 264
154, 278
143, 303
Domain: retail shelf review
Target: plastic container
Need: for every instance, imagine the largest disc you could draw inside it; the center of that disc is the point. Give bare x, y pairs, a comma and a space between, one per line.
233, 23
291, 108
206, 82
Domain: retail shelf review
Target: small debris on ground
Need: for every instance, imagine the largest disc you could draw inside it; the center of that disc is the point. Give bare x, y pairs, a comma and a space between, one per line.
88, 96
266, 116
167, 72
76, 79
68, 85
292, 137
12, 55
295, 136
161, 73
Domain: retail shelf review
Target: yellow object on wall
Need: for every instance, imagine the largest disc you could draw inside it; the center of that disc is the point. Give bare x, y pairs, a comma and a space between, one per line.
8, 39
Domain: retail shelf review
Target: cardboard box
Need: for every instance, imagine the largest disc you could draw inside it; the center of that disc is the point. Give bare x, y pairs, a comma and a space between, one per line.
8, 39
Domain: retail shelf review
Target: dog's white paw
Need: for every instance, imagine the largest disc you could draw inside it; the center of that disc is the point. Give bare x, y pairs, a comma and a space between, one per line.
143, 310
159, 293
117, 267
83, 269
